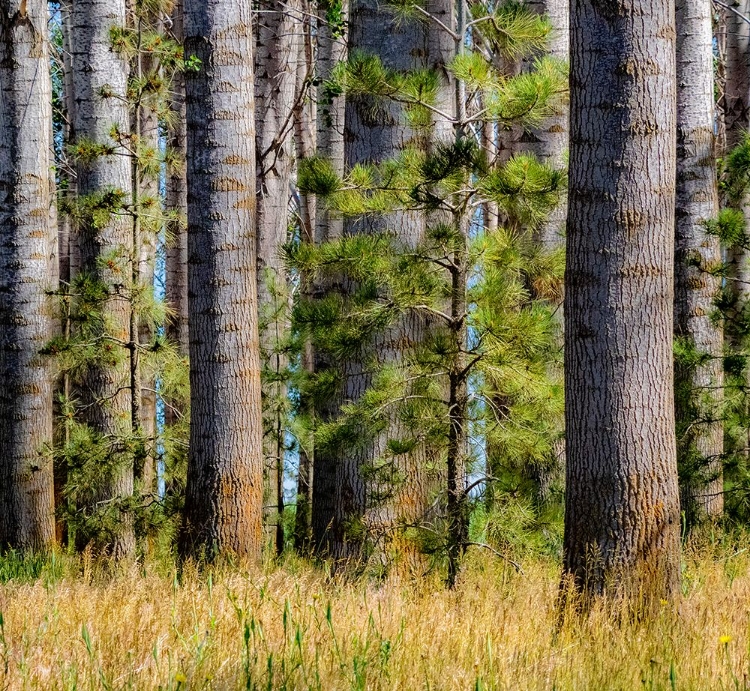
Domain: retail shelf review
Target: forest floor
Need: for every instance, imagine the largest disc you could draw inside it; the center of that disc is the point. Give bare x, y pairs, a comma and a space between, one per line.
78, 624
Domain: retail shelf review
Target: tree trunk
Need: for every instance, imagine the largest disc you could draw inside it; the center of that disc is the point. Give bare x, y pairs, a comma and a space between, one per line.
279, 42
622, 518
549, 143
331, 116
736, 105
147, 67
305, 124
28, 266
376, 131
698, 388
176, 204
104, 392
224, 493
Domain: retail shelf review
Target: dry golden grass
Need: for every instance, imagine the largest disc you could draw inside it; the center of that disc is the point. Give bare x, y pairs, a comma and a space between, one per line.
291, 628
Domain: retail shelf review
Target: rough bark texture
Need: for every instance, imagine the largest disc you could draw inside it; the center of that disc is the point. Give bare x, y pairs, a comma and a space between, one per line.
279, 42
331, 117
27, 255
176, 203
96, 67
305, 135
376, 131
736, 105
622, 513
224, 494
698, 389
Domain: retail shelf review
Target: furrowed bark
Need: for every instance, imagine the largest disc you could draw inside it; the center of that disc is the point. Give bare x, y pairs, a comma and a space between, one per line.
224, 493
28, 268
622, 503
98, 70
698, 388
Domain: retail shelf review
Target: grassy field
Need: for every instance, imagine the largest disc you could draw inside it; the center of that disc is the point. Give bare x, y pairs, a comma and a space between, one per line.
80, 625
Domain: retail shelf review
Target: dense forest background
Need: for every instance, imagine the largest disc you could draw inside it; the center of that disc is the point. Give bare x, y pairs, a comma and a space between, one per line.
379, 284
373, 344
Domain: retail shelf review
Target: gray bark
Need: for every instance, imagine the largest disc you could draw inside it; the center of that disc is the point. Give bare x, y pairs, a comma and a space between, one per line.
698, 389
176, 204
331, 118
377, 131
28, 266
278, 47
224, 494
622, 518
736, 118
305, 126
96, 67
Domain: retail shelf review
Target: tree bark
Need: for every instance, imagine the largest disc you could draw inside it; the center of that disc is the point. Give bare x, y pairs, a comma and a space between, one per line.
28, 266
176, 204
736, 119
224, 493
698, 389
376, 131
305, 131
279, 43
622, 517
104, 391
331, 117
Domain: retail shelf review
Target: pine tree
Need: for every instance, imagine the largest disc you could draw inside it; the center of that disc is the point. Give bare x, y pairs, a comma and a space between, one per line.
699, 363
473, 292
224, 493
90, 456
28, 271
622, 526
100, 77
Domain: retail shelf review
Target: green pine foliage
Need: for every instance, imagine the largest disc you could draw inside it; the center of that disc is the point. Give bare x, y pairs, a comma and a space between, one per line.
481, 374
89, 338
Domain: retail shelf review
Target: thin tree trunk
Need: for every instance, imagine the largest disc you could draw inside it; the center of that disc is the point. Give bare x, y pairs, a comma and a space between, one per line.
736, 105
28, 266
278, 44
305, 124
622, 518
698, 388
331, 116
224, 493
104, 392
148, 136
176, 204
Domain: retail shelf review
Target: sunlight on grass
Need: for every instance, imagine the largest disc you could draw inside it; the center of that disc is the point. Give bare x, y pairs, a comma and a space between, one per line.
74, 625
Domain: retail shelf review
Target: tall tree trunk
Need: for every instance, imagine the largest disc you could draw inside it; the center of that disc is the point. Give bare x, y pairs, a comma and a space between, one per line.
305, 124
28, 266
549, 143
376, 131
176, 204
98, 68
698, 388
224, 494
147, 67
69, 260
622, 517
331, 117
278, 45
736, 112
